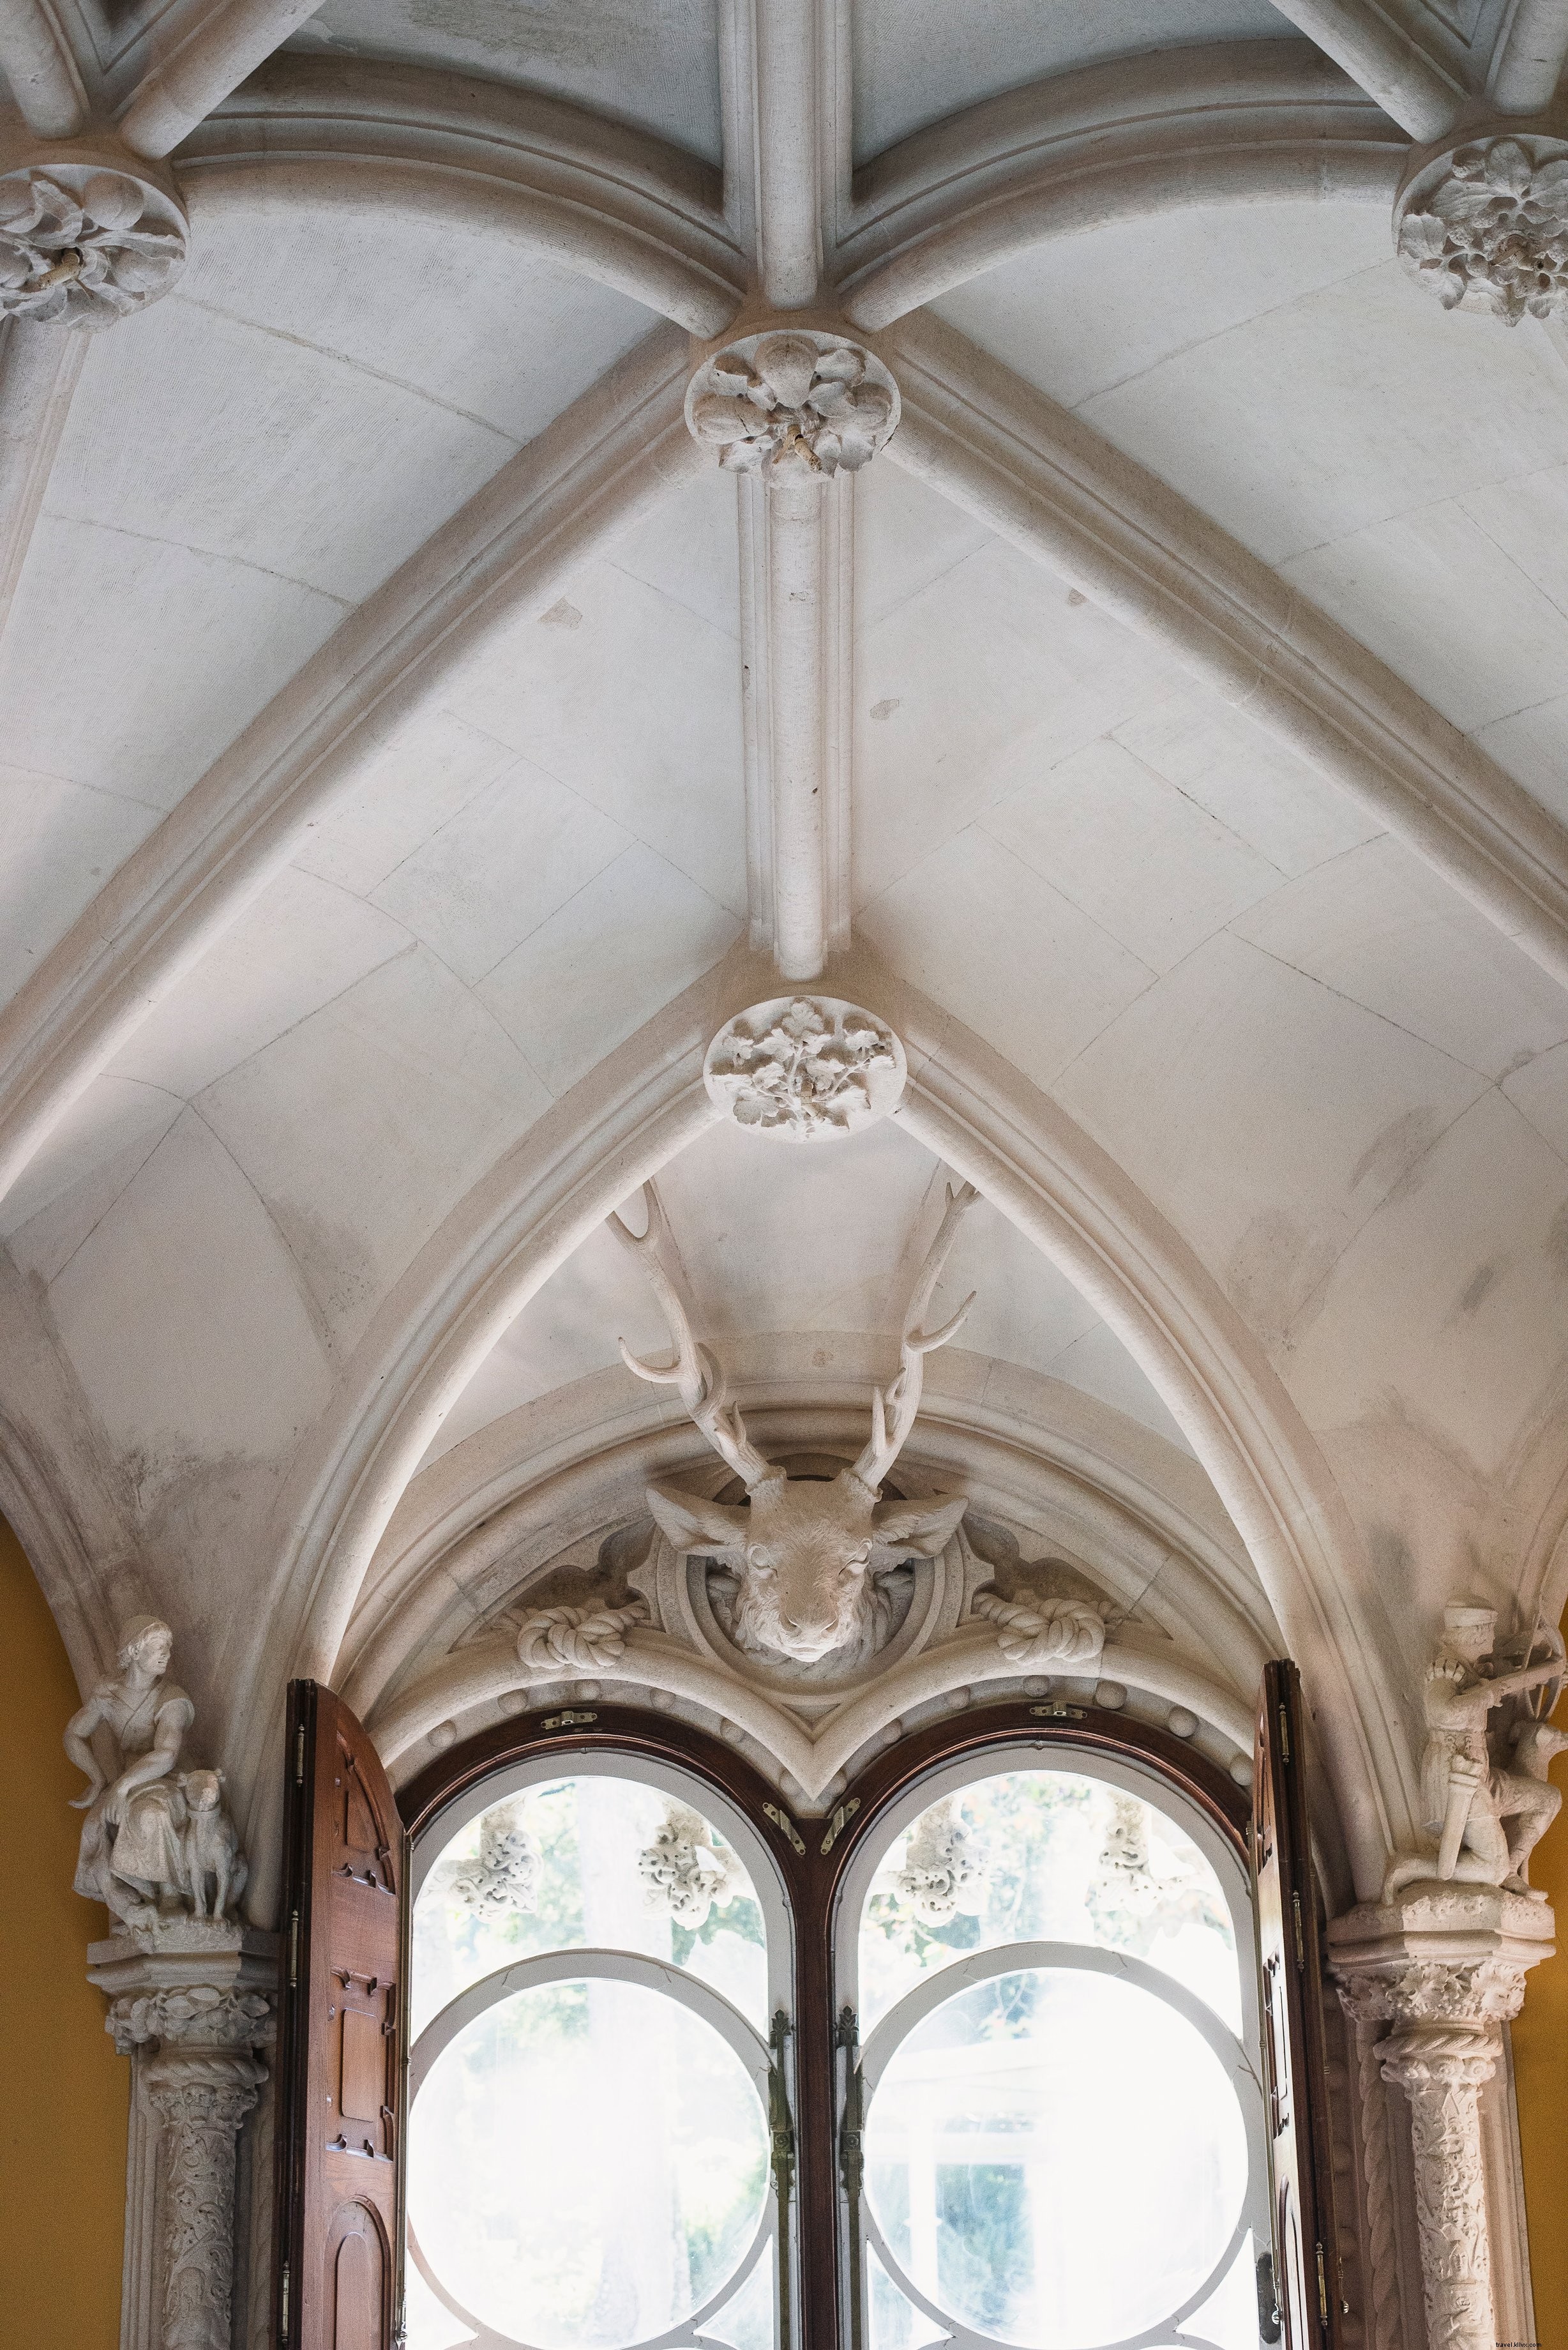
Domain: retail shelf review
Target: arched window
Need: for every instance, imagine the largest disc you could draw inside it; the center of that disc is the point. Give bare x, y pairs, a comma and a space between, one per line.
975, 2059
601, 1944
1052, 2063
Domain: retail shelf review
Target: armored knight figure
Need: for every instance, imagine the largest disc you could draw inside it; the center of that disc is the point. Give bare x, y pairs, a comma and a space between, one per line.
1467, 1796
153, 1834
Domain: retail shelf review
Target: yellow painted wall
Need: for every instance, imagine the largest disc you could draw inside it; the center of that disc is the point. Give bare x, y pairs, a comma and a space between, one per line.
1541, 2080
64, 2092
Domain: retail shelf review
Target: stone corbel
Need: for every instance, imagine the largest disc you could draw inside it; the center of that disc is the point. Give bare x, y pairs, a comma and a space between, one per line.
193, 2014
1428, 1983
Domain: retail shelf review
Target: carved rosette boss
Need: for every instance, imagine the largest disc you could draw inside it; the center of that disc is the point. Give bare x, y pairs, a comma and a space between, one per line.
1485, 226
794, 405
83, 246
803, 1068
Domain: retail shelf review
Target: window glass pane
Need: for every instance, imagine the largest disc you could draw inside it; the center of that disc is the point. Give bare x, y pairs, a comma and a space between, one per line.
1228, 2318
605, 1863
1057, 2158
745, 2322
1046, 1855
587, 2163
893, 2322
430, 2325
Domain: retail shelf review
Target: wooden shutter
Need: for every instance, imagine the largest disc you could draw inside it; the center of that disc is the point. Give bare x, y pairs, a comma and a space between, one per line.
1306, 2262
340, 2055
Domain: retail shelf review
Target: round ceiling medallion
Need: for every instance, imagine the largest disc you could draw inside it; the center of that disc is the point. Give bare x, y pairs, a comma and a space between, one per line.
806, 1067
792, 405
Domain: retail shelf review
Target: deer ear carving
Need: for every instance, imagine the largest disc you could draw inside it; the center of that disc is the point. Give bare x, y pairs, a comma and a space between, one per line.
923, 1527
692, 1523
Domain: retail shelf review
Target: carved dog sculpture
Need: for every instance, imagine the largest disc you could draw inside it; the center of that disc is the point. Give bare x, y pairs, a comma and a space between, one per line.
209, 1845
804, 1550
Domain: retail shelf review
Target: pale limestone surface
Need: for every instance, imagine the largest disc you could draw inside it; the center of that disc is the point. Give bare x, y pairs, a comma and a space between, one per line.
416, 751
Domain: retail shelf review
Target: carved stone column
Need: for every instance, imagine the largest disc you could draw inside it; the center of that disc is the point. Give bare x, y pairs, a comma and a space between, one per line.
201, 2094
191, 2010
1428, 1983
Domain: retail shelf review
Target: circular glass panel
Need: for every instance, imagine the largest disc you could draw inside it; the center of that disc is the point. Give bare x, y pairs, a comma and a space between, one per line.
588, 1861
587, 2163
1046, 1856
1057, 2158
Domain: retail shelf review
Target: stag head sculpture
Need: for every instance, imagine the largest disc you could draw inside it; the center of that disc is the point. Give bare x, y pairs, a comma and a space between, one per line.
804, 1550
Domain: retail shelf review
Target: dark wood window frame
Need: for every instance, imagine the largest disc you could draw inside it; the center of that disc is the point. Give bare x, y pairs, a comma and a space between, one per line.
814, 1876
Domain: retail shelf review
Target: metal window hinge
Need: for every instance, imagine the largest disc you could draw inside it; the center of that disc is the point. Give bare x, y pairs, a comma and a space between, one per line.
782, 1821
293, 1952
567, 1720
839, 1821
1284, 1735
1301, 1939
1321, 2287
299, 1756
283, 2305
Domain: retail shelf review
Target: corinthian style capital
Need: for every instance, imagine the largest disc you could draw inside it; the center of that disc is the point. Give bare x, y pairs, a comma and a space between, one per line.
793, 405
82, 244
1427, 1981
1485, 225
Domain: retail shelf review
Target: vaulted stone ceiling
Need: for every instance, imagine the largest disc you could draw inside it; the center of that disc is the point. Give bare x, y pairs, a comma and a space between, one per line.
401, 720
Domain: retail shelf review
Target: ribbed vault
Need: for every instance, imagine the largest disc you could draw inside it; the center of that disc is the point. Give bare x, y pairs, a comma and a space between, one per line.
413, 755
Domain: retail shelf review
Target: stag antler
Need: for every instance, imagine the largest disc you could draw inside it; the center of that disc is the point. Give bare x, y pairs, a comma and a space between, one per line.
893, 1414
695, 1370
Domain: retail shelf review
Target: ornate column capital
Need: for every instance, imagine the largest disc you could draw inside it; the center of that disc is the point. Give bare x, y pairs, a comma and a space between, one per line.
1427, 1981
1440, 1953
794, 403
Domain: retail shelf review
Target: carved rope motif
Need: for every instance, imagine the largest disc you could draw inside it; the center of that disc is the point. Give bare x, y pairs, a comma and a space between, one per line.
576, 1639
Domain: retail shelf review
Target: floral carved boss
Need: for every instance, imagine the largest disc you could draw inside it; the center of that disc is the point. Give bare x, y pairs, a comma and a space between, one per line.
795, 406
80, 248
805, 1067
1487, 225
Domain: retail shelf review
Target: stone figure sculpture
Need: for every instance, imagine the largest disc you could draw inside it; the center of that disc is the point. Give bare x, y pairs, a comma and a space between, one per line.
210, 1848
155, 1837
804, 1550
1483, 1818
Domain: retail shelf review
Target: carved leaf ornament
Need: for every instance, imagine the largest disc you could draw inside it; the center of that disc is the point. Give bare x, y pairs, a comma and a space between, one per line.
798, 406
82, 248
804, 1069
1490, 221
683, 1873
944, 1868
505, 1879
